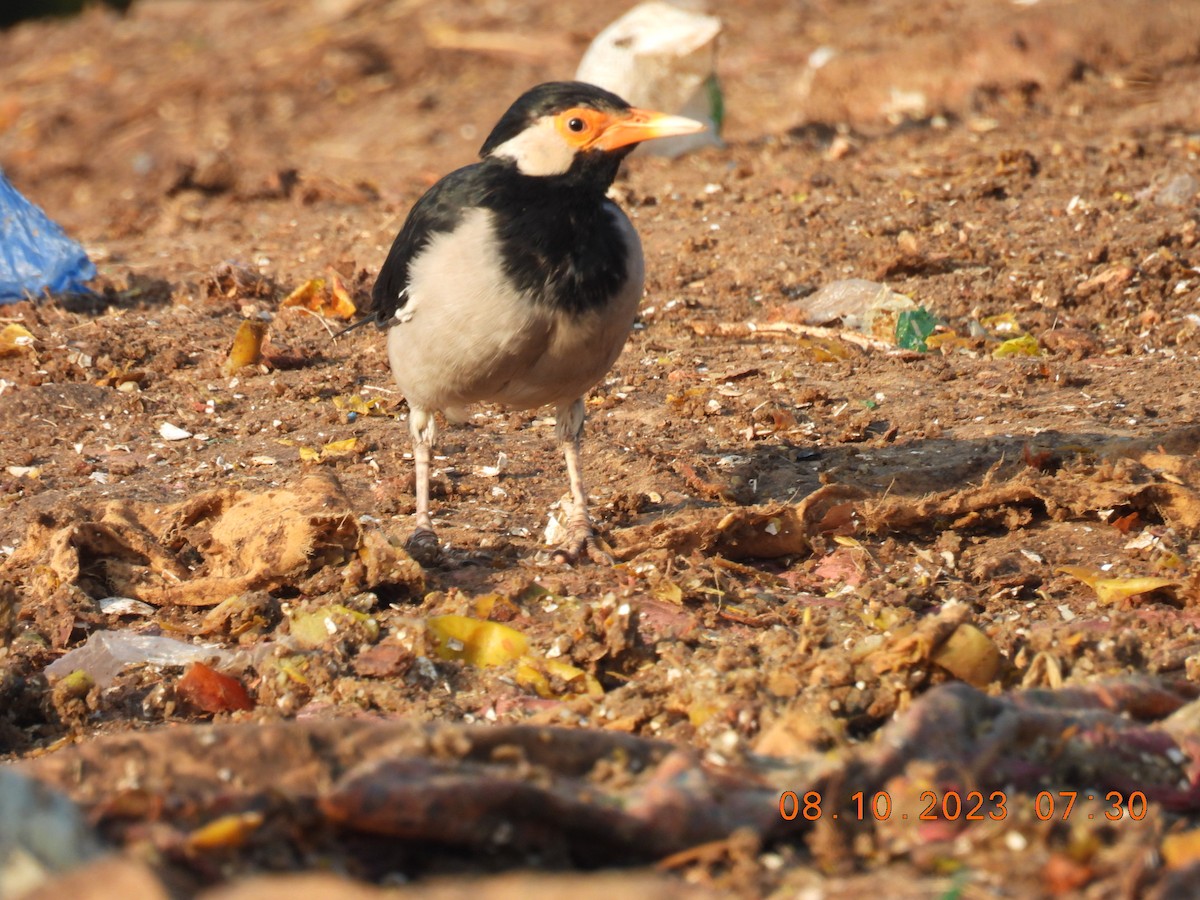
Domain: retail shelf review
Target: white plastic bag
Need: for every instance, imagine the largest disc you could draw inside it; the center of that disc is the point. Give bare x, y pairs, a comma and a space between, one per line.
658, 56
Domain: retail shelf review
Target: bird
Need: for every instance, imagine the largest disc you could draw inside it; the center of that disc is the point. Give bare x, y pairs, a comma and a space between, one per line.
515, 281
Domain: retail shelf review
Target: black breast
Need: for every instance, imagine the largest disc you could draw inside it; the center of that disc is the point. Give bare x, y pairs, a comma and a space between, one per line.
559, 241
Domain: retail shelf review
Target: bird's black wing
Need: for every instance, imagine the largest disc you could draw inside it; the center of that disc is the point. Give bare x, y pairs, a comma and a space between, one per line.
439, 210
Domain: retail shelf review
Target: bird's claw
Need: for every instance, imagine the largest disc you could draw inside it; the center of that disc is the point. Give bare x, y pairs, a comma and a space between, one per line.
581, 543
423, 546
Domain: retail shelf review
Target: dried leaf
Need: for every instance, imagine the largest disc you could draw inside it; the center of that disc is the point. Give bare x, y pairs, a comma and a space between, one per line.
347, 447
118, 377
315, 628
225, 832
14, 338
668, 592
1181, 849
701, 711
553, 678
1125, 524
1112, 590
340, 306
307, 296
359, 405
334, 449
247, 345
946, 342
969, 655
329, 299
845, 540
1025, 345
1005, 323
822, 349
1042, 460
483, 643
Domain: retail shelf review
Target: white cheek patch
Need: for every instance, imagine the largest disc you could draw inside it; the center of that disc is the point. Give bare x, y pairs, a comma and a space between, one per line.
538, 150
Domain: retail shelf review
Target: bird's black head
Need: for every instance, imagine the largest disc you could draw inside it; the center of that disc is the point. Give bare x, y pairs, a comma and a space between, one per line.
573, 129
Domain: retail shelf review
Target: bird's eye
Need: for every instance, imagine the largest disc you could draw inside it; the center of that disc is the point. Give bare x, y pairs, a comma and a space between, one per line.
576, 125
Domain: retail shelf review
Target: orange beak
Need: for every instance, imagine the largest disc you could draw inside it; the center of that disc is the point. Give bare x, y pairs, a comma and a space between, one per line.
643, 125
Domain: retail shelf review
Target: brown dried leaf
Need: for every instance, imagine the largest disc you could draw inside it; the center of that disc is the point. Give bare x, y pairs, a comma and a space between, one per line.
247, 345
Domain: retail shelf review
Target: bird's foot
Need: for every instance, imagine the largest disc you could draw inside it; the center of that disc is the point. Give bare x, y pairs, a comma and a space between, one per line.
582, 543
423, 546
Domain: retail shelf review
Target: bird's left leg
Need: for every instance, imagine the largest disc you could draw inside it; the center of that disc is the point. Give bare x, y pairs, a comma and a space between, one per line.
581, 538
423, 544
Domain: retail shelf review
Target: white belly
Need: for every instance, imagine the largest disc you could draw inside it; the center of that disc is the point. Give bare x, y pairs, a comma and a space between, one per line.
464, 337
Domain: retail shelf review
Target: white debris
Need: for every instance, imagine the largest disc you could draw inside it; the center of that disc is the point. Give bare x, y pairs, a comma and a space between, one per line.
125, 606
171, 432
555, 533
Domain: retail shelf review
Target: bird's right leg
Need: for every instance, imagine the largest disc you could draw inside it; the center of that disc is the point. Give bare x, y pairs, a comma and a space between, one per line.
423, 545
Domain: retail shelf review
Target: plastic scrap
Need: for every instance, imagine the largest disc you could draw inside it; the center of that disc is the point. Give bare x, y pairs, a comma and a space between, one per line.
661, 57
36, 255
106, 653
859, 305
1179, 191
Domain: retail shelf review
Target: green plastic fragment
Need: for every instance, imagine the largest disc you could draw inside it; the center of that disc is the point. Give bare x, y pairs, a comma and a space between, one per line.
912, 327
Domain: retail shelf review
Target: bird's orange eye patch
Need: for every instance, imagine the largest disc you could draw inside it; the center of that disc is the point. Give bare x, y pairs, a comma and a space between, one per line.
580, 126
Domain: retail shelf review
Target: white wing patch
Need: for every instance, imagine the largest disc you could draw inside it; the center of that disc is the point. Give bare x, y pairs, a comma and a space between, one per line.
404, 311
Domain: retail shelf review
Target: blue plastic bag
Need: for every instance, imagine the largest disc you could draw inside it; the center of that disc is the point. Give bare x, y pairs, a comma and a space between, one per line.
35, 254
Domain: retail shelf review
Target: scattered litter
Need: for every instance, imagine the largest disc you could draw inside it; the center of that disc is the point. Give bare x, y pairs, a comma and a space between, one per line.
125, 606
36, 256
826, 340
106, 653
210, 691
555, 532
913, 327
358, 405
171, 432
856, 304
1179, 191
493, 471
658, 56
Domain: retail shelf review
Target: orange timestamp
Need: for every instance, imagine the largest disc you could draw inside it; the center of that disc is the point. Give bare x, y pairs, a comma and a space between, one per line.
968, 806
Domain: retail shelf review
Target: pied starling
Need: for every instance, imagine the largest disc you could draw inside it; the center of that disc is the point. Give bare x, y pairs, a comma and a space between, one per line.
515, 280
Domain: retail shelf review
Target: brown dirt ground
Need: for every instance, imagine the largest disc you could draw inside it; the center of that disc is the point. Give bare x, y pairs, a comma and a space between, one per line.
985, 158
